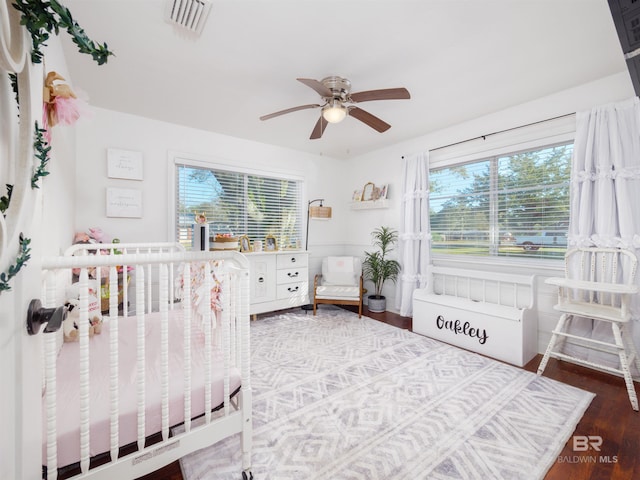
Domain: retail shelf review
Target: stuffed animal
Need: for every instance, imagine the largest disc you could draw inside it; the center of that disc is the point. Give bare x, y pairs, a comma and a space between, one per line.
99, 235
70, 326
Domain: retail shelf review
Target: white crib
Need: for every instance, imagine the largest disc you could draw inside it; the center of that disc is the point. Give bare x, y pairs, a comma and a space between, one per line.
110, 401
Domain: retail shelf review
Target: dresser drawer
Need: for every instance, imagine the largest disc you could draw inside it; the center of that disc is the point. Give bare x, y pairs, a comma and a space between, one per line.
290, 260
291, 290
292, 275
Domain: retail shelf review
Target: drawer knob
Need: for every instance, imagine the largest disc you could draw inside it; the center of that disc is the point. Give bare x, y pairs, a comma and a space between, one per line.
293, 259
260, 279
293, 289
292, 275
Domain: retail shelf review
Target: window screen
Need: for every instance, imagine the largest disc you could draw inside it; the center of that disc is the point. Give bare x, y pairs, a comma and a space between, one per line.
511, 205
238, 203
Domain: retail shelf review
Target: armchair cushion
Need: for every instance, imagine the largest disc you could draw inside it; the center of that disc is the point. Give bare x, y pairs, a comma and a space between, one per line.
341, 271
338, 292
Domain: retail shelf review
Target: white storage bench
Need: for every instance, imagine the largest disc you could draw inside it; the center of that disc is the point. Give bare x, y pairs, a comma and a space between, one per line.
485, 312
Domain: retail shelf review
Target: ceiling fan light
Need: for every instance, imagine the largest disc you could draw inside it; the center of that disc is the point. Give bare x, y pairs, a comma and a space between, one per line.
334, 113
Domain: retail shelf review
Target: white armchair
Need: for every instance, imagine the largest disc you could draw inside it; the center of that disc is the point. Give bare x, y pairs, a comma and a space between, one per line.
340, 283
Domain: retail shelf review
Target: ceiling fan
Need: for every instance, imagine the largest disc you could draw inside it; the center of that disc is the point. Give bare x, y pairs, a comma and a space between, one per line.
336, 94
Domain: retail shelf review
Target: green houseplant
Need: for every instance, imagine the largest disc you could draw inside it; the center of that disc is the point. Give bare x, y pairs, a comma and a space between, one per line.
378, 268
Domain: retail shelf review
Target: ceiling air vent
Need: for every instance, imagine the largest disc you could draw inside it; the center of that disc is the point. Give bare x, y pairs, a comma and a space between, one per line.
188, 14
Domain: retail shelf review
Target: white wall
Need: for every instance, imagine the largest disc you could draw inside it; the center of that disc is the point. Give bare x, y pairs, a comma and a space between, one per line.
109, 129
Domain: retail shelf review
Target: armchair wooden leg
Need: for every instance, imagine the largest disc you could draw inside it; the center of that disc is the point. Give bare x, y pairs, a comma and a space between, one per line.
314, 307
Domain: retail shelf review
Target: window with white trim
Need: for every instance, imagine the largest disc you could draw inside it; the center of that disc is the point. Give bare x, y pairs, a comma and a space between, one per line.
514, 205
239, 203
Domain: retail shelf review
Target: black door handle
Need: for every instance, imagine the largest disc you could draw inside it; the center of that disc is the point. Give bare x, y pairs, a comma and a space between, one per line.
37, 316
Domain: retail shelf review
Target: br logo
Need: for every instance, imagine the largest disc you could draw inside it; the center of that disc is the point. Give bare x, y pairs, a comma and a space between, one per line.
582, 443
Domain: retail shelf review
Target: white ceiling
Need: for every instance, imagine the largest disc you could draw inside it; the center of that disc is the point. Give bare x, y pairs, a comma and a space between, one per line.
459, 59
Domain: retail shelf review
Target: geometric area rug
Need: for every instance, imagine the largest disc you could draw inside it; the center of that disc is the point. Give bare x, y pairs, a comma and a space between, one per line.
337, 397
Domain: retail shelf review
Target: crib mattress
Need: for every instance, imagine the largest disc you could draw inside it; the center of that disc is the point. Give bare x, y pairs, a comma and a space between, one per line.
68, 401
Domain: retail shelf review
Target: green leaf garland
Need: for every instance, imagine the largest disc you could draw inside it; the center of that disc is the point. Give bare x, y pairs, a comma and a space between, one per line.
42, 149
5, 200
21, 261
43, 17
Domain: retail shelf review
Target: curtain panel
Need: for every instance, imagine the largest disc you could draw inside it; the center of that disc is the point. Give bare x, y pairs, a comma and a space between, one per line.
415, 233
605, 199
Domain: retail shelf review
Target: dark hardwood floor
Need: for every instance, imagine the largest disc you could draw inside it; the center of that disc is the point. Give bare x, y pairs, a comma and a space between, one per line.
609, 417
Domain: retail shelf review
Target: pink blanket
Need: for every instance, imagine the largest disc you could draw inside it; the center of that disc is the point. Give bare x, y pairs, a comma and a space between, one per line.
68, 402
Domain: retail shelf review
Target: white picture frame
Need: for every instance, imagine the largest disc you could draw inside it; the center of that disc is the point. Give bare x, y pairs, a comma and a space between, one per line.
124, 202
125, 164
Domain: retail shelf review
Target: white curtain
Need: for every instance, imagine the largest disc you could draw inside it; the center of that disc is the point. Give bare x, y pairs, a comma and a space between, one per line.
605, 197
415, 233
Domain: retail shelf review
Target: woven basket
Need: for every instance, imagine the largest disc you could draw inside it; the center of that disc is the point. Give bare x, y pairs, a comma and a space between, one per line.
232, 241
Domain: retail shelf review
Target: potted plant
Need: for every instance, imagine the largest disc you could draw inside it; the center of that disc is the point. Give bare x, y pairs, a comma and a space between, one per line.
378, 268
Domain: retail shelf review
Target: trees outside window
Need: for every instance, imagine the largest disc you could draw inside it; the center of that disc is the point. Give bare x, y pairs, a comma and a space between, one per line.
513, 205
238, 203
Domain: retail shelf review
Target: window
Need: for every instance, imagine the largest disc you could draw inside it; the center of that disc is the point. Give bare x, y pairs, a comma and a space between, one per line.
513, 205
238, 203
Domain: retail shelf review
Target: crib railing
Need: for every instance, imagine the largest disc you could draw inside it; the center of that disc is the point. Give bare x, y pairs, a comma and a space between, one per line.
80, 249
225, 327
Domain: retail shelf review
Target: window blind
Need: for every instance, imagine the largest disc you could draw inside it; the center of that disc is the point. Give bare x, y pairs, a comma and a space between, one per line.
238, 203
487, 207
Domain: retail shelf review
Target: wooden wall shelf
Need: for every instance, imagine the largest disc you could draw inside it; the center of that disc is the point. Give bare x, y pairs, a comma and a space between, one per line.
370, 204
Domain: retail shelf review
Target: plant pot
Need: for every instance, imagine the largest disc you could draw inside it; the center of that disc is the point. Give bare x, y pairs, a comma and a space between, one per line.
377, 303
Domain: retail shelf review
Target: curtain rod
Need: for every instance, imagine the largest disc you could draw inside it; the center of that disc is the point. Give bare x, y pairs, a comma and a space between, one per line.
484, 137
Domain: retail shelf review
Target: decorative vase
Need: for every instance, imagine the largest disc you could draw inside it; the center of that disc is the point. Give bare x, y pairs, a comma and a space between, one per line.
377, 303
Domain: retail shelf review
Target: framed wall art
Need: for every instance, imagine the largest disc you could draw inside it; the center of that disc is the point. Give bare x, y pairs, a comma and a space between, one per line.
124, 202
126, 164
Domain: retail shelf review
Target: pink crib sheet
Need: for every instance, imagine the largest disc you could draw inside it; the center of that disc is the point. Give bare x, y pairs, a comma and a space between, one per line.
68, 398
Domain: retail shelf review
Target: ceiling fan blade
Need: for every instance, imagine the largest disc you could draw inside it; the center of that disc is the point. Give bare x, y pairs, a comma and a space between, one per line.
317, 86
384, 94
368, 119
289, 110
318, 130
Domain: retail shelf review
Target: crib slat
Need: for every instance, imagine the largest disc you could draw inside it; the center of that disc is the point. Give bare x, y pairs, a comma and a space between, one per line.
83, 331
149, 291
114, 410
233, 312
51, 384
187, 346
140, 381
226, 307
164, 347
206, 322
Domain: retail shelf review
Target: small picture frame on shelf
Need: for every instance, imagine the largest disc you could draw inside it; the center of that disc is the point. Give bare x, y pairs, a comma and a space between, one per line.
357, 195
270, 243
245, 244
383, 190
368, 191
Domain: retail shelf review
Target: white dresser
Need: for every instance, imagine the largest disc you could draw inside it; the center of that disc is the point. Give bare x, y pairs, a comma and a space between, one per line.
278, 280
